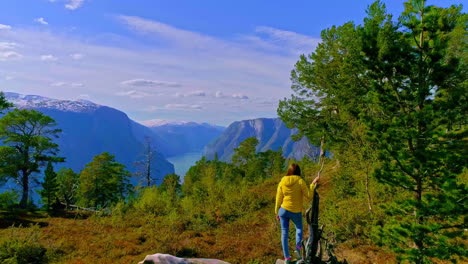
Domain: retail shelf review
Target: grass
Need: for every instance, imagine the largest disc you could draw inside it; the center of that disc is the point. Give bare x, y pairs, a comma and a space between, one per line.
255, 238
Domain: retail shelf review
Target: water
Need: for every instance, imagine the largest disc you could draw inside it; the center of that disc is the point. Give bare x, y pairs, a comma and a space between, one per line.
182, 163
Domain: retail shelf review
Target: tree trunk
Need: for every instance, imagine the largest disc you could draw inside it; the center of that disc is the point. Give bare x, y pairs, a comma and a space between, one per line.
25, 185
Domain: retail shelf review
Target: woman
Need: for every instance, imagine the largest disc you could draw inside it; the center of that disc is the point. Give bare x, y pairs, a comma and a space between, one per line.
289, 202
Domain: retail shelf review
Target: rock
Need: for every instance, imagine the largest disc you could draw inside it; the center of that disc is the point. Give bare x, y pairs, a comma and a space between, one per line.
159, 258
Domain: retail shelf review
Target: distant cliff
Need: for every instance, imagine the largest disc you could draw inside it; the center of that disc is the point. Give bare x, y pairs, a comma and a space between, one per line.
271, 133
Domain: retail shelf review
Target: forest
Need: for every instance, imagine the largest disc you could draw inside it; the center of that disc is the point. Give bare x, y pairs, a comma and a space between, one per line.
384, 100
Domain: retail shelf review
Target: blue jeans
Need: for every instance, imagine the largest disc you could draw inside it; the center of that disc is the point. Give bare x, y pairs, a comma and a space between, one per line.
285, 216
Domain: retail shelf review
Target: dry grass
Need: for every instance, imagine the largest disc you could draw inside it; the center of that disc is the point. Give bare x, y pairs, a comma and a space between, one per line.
250, 239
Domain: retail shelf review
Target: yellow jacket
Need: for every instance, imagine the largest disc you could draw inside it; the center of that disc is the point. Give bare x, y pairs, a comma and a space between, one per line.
290, 193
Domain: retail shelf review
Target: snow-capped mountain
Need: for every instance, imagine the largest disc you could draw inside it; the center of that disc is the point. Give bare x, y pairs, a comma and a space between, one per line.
36, 101
88, 129
162, 122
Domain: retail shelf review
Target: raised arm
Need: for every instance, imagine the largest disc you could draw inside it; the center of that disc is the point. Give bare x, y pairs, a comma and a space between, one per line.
309, 192
279, 198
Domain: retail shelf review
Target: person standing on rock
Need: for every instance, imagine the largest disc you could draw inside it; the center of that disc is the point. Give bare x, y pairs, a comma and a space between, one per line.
290, 195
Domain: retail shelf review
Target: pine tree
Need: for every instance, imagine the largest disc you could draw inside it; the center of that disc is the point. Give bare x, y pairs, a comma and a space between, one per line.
103, 182
68, 182
49, 186
28, 144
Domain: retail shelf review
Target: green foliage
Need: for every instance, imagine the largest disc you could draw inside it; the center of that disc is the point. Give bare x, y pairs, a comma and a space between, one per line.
245, 152
8, 199
103, 182
393, 95
67, 181
151, 201
28, 143
49, 187
4, 104
23, 249
171, 185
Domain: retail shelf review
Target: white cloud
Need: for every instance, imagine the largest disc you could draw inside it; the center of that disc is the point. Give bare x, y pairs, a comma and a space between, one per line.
6, 27
219, 94
76, 56
240, 96
149, 83
191, 94
71, 84
288, 38
183, 107
48, 57
167, 32
74, 4
58, 84
70, 4
41, 20
10, 55
7, 45
134, 94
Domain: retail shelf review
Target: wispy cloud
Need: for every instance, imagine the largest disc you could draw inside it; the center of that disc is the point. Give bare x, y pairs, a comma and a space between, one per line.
149, 83
134, 94
62, 84
9, 55
76, 56
191, 94
4, 27
240, 96
41, 20
70, 4
48, 57
183, 107
7, 45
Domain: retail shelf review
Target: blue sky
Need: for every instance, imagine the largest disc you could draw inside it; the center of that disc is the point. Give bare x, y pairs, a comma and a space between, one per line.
206, 61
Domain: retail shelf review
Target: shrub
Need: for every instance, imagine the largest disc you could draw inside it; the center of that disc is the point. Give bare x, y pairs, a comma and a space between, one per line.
8, 199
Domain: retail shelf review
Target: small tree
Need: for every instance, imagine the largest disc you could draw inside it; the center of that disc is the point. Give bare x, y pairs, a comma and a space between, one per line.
67, 181
245, 152
171, 185
145, 166
4, 104
103, 182
28, 144
49, 186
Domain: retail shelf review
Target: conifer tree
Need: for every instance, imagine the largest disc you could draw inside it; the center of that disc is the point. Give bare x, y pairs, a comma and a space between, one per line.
49, 186
103, 182
67, 181
28, 138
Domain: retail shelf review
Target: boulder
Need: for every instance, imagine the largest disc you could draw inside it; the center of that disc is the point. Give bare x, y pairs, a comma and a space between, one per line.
159, 258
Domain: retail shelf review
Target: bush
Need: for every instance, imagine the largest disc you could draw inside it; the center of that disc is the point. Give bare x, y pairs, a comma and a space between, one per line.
24, 248
8, 199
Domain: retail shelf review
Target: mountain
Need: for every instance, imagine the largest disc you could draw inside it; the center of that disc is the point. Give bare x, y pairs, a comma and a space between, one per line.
182, 136
271, 133
89, 129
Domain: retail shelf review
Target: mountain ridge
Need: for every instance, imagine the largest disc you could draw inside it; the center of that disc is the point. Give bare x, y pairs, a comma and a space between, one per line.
271, 133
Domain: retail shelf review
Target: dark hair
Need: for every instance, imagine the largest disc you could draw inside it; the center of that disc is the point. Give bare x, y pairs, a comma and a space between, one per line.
294, 169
